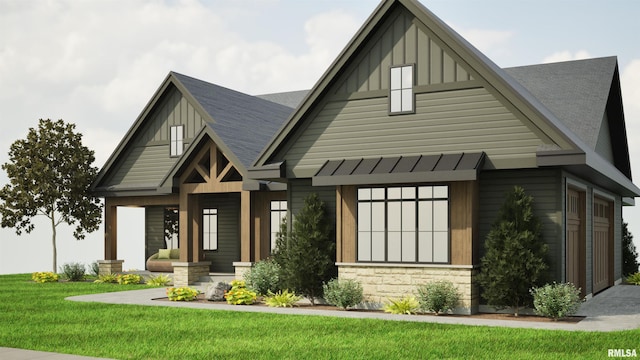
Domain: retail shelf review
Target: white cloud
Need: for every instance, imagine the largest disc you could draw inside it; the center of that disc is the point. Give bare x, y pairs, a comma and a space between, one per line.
566, 55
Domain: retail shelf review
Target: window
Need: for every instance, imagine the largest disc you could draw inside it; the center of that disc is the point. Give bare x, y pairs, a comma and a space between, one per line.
278, 212
176, 140
210, 229
403, 224
401, 95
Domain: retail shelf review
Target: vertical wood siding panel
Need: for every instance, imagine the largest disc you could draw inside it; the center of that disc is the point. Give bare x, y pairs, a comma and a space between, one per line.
435, 72
375, 67
363, 74
386, 47
398, 41
423, 58
411, 43
448, 69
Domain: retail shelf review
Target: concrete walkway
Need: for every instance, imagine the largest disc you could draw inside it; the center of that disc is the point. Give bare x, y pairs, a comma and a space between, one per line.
615, 309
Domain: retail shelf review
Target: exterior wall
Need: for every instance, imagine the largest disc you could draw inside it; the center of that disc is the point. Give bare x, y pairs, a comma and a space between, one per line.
467, 120
146, 161
228, 206
300, 189
381, 282
154, 230
546, 188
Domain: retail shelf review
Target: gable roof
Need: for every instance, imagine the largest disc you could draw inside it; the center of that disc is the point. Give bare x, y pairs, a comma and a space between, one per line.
512, 90
240, 124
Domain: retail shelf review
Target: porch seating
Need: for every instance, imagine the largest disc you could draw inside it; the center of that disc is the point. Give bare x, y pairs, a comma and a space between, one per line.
161, 261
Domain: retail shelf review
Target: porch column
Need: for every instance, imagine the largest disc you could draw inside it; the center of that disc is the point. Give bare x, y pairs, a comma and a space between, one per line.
189, 228
110, 230
245, 226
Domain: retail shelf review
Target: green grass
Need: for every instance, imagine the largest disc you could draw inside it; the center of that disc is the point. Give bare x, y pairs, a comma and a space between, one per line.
36, 316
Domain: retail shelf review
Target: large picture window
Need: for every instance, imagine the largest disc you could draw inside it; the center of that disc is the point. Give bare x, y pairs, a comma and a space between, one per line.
176, 139
401, 91
210, 229
403, 224
278, 212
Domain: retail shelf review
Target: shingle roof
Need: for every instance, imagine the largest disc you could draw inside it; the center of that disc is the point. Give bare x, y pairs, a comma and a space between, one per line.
576, 92
291, 98
245, 123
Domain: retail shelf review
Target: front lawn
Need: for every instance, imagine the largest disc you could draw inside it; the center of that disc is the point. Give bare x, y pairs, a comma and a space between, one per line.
36, 316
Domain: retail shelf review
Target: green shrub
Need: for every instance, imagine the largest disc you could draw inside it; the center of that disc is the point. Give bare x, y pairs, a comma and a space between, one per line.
107, 279
343, 293
73, 271
239, 294
438, 296
407, 305
94, 268
182, 294
43, 277
160, 280
127, 279
282, 299
634, 279
556, 300
264, 277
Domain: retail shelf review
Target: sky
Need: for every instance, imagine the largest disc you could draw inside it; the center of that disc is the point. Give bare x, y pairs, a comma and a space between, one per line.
97, 64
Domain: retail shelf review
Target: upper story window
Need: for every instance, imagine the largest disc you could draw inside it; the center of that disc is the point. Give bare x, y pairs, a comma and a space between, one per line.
401, 95
176, 140
278, 212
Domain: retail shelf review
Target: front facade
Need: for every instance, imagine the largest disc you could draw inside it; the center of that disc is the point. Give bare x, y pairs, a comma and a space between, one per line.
411, 138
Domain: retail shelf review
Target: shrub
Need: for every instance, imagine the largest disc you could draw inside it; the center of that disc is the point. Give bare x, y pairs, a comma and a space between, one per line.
556, 300
107, 279
43, 277
630, 263
282, 299
343, 293
239, 294
438, 296
407, 305
127, 279
94, 268
160, 280
634, 279
264, 277
73, 271
515, 255
182, 294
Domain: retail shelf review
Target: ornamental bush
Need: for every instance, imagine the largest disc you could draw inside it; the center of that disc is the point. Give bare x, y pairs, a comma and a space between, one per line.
107, 279
73, 271
160, 280
282, 299
43, 277
127, 279
407, 305
556, 301
264, 277
438, 296
239, 294
634, 279
343, 293
182, 294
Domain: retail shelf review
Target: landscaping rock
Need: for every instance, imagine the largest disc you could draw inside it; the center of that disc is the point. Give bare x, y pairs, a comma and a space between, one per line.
215, 291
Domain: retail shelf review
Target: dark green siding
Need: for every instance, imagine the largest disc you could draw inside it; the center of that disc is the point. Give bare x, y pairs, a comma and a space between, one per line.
154, 230
228, 206
300, 189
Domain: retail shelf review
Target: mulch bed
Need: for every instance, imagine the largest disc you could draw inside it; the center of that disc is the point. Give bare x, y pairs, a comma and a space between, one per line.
492, 316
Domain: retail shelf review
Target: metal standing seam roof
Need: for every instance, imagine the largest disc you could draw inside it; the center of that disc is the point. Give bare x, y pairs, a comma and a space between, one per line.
399, 169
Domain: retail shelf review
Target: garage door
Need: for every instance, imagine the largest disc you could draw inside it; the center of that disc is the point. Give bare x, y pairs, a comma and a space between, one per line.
576, 239
602, 245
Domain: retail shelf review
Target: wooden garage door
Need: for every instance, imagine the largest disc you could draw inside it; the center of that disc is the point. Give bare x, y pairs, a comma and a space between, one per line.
602, 245
575, 250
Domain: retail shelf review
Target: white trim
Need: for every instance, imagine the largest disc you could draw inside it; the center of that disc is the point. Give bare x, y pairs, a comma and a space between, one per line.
242, 264
407, 265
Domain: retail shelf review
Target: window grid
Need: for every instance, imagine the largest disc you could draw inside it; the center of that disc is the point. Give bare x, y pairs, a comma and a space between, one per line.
176, 139
401, 90
278, 212
210, 229
403, 224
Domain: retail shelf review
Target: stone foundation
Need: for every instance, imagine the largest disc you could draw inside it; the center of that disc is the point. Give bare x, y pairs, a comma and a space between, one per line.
241, 268
383, 281
109, 267
187, 273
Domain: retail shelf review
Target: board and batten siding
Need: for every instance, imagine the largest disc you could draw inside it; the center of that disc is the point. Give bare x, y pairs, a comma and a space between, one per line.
468, 120
546, 188
146, 160
228, 252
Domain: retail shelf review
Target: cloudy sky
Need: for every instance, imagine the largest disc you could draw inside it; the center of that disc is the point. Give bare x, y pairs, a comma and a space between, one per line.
97, 63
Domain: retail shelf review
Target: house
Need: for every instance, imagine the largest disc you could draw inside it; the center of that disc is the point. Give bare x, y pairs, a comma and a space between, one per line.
412, 137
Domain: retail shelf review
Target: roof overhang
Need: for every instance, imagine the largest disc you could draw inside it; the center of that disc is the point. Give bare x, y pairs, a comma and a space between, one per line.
273, 172
395, 170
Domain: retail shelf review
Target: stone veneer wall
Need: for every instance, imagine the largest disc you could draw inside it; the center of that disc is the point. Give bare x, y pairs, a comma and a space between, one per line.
187, 273
106, 267
241, 268
383, 281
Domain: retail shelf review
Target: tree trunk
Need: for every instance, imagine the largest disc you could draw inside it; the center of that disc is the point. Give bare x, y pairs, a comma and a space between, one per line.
53, 240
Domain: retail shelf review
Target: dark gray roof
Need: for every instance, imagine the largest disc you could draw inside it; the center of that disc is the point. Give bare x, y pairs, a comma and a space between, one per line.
291, 98
245, 123
576, 92
399, 169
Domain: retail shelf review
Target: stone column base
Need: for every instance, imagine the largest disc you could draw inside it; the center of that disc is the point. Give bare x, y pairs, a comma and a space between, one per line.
109, 267
241, 268
187, 273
